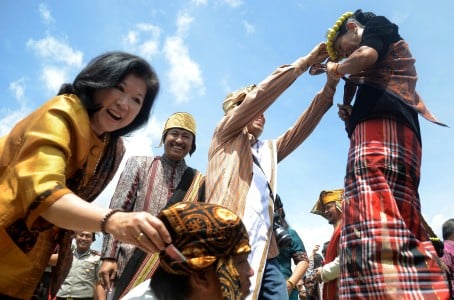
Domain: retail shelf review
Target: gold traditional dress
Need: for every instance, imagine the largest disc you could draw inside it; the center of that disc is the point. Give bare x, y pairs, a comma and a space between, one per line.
48, 150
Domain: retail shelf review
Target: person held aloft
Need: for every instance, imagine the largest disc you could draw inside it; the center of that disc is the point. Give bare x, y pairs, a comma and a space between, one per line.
385, 250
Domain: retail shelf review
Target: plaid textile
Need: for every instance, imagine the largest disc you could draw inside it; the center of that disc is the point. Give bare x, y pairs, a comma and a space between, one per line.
385, 250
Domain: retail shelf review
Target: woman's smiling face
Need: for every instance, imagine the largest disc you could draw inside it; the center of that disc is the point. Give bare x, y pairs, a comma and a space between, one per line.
119, 105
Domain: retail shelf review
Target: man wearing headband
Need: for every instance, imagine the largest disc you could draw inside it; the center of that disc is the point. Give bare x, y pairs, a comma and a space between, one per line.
329, 206
385, 249
212, 263
146, 184
235, 181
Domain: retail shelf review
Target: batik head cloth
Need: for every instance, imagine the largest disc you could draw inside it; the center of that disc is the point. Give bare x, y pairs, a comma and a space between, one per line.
206, 234
236, 97
181, 120
327, 197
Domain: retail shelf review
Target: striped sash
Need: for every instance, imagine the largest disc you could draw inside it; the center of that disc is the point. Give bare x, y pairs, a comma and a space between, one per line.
141, 266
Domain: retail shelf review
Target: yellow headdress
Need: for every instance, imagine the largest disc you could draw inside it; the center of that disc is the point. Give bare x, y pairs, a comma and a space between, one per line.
235, 97
332, 34
181, 120
327, 197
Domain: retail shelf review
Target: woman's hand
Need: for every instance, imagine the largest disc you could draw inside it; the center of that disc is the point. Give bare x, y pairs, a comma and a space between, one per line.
140, 229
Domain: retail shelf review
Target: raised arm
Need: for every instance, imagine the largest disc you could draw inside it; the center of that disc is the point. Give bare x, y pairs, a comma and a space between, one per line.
307, 121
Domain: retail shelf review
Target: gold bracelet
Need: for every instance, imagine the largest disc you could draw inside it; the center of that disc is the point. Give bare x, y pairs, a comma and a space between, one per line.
291, 283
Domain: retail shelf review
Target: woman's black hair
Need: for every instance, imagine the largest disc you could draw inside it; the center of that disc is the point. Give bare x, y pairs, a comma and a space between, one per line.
361, 17
108, 70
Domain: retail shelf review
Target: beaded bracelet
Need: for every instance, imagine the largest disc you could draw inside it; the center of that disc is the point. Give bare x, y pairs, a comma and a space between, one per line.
336, 70
106, 218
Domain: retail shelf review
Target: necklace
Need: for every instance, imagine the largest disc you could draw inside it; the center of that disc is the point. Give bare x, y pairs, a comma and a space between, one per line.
105, 140
83, 183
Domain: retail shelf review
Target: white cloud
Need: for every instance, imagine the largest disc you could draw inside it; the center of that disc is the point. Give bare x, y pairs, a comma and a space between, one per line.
145, 140
18, 89
132, 37
233, 3
436, 222
11, 118
53, 78
199, 2
250, 29
144, 40
184, 74
56, 51
45, 14
183, 23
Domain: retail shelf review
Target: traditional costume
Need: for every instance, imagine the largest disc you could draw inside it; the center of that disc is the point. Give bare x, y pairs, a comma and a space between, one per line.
146, 184
233, 180
330, 270
50, 153
385, 250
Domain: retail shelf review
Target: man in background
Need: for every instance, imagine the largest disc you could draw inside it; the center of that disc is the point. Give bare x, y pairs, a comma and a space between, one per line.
82, 281
329, 205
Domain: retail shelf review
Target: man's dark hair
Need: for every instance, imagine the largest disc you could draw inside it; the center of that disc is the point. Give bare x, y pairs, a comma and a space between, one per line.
168, 286
448, 230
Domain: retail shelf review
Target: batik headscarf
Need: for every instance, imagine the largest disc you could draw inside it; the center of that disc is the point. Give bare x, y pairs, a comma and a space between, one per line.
235, 98
206, 234
181, 120
327, 197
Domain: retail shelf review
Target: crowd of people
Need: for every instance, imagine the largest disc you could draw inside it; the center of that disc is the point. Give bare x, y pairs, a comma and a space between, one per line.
172, 232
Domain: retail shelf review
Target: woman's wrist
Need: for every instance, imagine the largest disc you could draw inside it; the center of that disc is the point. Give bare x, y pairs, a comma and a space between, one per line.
106, 218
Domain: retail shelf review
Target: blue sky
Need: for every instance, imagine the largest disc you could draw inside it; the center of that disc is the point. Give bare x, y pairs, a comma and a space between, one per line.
203, 49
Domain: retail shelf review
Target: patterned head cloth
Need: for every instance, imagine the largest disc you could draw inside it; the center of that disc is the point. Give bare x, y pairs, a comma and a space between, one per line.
206, 234
181, 120
327, 197
236, 97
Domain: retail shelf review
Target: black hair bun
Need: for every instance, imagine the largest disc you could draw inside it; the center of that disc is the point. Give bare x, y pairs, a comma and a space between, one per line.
363, 17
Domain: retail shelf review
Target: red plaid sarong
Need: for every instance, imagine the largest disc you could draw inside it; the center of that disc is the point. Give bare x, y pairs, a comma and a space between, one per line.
385, 250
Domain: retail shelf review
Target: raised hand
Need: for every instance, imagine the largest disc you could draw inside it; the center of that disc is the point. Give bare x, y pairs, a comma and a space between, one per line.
318, 54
